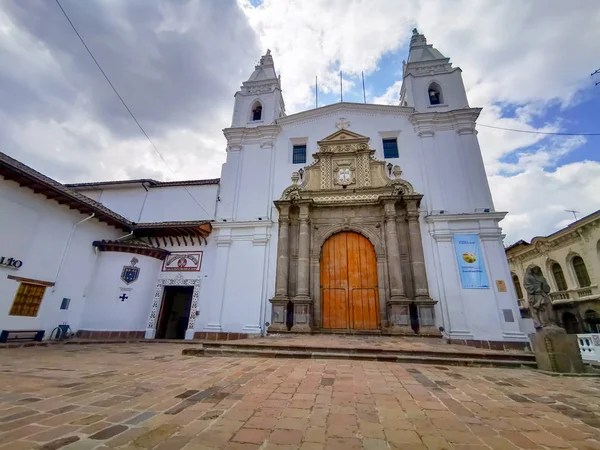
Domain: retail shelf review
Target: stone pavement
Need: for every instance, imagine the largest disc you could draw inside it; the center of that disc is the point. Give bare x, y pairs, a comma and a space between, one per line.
149, 396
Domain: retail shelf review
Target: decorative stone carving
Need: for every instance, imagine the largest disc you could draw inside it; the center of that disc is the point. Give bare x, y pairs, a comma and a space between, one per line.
344, 172
347, 189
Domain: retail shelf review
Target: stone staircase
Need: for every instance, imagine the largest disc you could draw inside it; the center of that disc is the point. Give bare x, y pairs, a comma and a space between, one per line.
468, 357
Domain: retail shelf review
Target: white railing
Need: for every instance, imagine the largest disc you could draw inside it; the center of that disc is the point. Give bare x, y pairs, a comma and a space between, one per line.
589, 346
575, 294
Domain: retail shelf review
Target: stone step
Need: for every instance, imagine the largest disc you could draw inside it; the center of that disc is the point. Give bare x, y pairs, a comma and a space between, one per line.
380, 352
398, 357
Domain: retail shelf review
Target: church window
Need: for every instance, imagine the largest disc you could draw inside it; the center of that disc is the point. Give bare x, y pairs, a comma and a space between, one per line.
517, 284
559, 277
27, 300
435, 94
390, 148
299, 154
257, 112
581, 272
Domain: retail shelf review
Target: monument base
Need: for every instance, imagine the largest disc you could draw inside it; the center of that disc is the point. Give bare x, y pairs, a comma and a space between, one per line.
556, 351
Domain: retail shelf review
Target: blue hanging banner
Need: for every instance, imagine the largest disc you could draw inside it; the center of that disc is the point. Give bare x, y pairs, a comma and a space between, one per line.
470, 262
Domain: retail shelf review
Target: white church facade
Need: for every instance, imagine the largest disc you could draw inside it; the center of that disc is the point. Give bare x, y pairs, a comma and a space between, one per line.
348, 218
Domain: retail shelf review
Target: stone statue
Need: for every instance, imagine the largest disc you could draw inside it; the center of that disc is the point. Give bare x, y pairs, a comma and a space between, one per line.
540, 304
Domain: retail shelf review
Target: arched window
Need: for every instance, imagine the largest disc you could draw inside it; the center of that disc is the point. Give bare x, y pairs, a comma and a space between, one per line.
517, 284
257, 111
435, 94
559, 277
593, 320
570, 323
581, 272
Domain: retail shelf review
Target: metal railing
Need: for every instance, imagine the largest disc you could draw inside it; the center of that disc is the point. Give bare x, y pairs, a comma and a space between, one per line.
589, 346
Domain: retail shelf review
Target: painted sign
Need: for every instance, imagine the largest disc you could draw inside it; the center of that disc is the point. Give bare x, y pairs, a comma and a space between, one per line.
129, 274
182, 262
470, 262
10, 262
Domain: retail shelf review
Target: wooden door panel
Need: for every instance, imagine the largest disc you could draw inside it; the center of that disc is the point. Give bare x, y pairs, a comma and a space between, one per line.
349, 283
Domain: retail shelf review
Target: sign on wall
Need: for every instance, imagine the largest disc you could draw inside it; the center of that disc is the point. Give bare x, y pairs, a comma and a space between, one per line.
182, 262
470, 262
10, 262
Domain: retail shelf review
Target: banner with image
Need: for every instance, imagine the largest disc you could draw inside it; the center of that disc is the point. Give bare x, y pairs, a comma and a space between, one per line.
470, 262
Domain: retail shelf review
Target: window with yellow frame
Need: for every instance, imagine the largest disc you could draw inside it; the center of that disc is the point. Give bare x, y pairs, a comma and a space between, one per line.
27, 300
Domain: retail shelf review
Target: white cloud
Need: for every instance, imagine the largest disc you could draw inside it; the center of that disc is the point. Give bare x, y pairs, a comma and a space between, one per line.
178, 65
391, 95
318, 37
523, 55
537, 199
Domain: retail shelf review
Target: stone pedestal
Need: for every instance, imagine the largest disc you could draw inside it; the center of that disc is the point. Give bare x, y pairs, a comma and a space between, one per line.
278, 314
302, 315
557, 351
399, 317
426, 312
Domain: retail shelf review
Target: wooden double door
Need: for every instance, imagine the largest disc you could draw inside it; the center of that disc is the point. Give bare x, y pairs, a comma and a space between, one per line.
349, 291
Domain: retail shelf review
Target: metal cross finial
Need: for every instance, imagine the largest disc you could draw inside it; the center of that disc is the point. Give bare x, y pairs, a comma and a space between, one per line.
342, 124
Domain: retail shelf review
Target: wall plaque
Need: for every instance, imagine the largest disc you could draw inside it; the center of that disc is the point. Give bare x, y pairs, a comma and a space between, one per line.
501, 285
182, 262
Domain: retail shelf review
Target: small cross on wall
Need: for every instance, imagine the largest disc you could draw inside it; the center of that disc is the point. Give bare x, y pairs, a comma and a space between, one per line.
342, 124
123, 297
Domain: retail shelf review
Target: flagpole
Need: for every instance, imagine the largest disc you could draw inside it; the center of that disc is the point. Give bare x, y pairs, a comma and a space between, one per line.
364, 94
341, 88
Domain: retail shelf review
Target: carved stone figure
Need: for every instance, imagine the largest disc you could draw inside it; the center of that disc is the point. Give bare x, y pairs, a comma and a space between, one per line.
540, 304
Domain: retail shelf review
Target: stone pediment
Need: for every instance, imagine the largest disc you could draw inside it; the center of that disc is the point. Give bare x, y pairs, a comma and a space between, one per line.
346, 171
343, 135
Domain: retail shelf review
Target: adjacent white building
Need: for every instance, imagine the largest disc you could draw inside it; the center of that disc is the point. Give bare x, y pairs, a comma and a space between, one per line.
344, 218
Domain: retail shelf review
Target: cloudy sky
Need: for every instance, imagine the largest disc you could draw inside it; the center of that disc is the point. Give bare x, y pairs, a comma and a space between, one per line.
177, 65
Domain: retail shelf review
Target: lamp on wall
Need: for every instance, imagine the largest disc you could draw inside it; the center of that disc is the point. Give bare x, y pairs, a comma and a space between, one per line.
301, 173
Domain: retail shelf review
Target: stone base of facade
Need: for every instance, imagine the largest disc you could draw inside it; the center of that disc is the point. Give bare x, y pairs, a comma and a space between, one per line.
210, 336
492, 345
107, 335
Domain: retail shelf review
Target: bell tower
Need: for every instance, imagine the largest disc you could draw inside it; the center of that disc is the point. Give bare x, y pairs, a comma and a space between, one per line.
430, 82
259, 100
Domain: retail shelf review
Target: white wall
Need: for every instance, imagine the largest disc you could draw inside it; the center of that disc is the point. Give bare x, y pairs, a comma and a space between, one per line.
174, 203
470, 313
104, 310
36, 231
238, 291
158, 204
446, 168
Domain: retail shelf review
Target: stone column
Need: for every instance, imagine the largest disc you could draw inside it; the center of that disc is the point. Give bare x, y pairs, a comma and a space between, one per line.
393, 252
425, 305
280, 300
417, 260
302, 301
398, 312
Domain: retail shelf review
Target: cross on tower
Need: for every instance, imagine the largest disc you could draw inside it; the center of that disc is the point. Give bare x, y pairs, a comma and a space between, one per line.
123, 297
342, 124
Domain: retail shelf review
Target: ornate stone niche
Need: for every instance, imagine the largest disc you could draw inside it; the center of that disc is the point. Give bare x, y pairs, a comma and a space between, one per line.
347, 190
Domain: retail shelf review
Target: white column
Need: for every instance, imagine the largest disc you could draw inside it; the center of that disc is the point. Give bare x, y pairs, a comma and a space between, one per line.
215, 308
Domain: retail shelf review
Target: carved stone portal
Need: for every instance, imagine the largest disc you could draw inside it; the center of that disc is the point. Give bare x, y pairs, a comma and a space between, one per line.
346, 189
